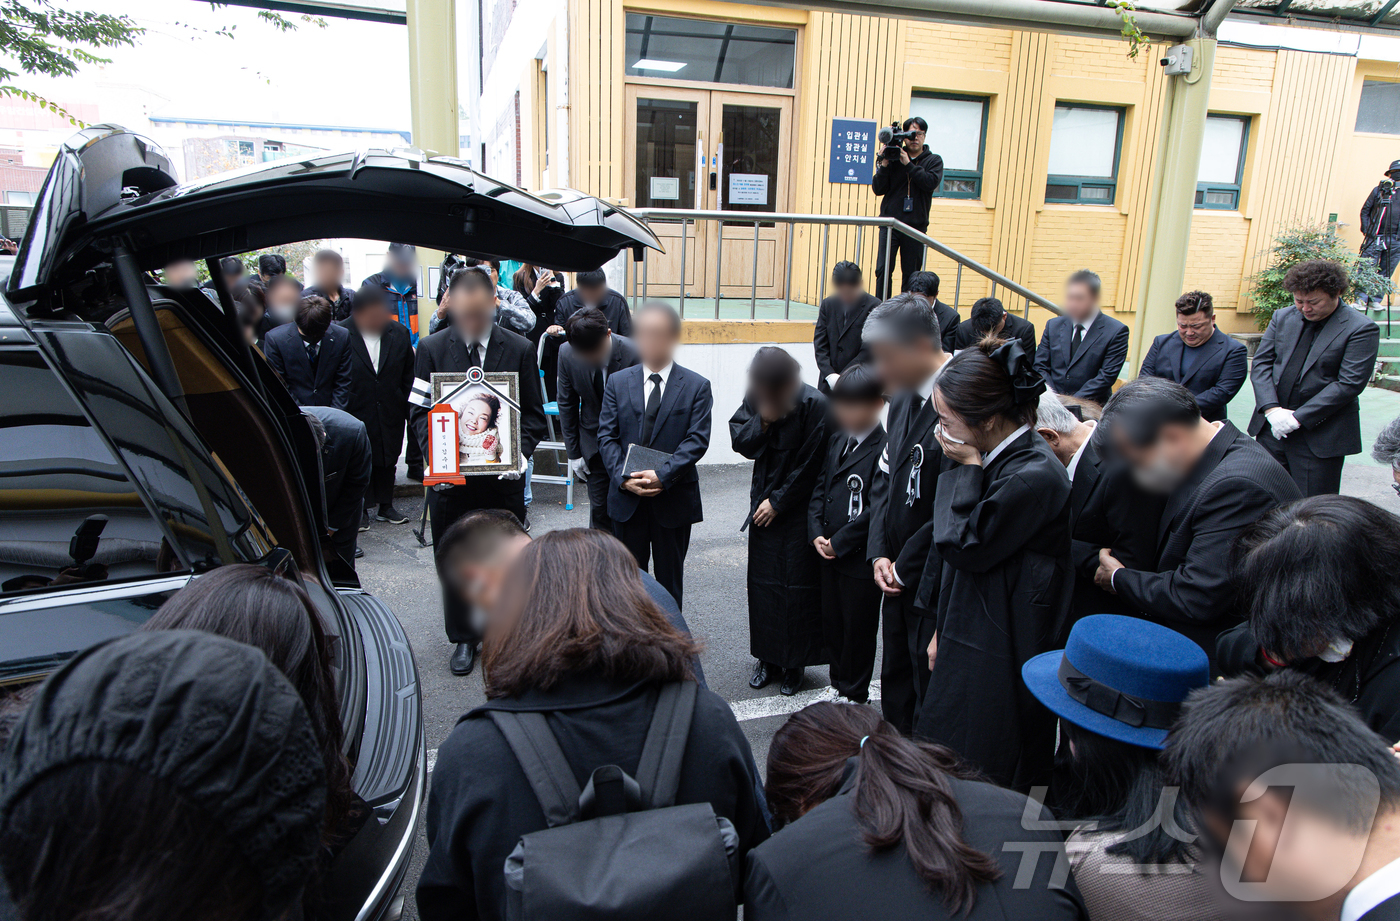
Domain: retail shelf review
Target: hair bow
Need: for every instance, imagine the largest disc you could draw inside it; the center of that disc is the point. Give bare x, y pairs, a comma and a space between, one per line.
1025, 381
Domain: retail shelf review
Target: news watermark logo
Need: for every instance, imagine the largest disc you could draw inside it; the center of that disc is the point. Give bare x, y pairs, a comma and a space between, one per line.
1296, 833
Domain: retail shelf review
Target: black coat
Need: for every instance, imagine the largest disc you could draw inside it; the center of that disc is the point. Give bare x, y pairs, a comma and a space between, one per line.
682, 430
1107, 509
1188, 589
836, 338
948, 323
579, 403
1016, 328
784, 574
1002, 532
1217, 376
1389, 226
614, 307
819, 868
481, 802
443, 351
1338, 367
329, 383
1369, 677
1090, 374
900, 531
828, 514
919, 180
341, 307
379, 397
543, 306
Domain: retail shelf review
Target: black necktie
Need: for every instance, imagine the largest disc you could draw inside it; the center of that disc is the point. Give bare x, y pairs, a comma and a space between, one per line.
653, 407
598, 382
474, 356
850, 446
313, 350
1288, 380
1076, 341
916, 406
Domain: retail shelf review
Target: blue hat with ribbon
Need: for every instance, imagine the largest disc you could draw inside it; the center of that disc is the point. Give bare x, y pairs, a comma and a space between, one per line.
1119, 677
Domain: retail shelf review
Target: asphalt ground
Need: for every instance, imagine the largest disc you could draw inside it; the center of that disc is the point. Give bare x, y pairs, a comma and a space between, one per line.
400, 572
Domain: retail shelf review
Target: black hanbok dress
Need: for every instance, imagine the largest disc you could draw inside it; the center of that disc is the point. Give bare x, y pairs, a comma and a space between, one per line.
784, 579
1002, 532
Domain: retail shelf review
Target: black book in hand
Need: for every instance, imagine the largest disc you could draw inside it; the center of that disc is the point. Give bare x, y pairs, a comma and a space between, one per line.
641, 458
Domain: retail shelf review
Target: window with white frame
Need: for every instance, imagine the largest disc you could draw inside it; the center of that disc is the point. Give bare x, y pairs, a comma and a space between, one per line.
957, 132
1085, 144
1379, 112
1222, 162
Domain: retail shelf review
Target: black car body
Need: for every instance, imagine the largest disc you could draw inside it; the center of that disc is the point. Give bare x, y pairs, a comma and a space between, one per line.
142, 403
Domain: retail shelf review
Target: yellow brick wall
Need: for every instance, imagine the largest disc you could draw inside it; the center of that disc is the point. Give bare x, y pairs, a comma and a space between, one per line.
1303, 160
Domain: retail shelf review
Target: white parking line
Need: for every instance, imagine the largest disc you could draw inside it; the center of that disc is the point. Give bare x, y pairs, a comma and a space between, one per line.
757, 708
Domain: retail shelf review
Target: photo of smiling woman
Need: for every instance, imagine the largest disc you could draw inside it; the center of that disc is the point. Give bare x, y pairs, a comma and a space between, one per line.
479, 431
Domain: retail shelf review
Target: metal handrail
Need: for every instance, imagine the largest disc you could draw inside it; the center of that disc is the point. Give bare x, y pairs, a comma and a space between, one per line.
684, 216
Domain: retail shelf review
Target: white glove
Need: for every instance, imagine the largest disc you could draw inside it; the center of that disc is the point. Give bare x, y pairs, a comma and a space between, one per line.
440, 487
1282, 422
579, 468
516, 474
831, 380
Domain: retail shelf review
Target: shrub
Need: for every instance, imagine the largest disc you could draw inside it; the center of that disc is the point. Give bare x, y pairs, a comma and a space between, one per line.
1310, 241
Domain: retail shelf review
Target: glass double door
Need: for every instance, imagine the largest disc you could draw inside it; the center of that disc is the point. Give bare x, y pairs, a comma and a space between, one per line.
712, 150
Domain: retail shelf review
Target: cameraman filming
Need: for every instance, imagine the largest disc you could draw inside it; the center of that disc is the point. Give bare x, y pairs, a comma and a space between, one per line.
1380, 223
907, 184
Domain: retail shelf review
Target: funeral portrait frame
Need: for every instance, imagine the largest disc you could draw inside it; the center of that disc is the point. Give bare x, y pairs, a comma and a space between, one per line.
499, 384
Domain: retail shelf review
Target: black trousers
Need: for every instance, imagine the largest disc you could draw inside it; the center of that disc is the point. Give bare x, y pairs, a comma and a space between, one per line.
908, 251
901, 686
647, 538
413, 454
381, 486
447, 506
1315, 476
598, 485
850, 624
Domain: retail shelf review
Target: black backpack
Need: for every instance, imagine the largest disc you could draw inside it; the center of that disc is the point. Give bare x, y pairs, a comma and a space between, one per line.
620, 849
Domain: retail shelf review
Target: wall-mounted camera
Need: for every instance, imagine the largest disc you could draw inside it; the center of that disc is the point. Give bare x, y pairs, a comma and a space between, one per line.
1177, 62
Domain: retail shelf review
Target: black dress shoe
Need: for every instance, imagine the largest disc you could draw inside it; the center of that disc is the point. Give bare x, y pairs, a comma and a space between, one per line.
359, 552
762, 675
390, 514
792, 680
525, 524
463, 659
415, 474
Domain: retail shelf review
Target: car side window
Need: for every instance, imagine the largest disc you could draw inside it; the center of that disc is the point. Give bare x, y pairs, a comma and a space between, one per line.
69, 514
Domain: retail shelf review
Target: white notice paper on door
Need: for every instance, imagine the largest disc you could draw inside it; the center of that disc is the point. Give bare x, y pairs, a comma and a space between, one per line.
748, 188
665, 189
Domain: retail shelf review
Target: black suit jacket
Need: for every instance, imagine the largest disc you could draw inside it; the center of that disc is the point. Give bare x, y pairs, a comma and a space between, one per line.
579, 404
682, 430
900, 531
836, 339
329, 383
819, 868
1096, 363
614, 307
379, 396
1188, 589
1338, 367
1107, 509
1016, 328
948, 323
1218, 374
443, 351
828, 514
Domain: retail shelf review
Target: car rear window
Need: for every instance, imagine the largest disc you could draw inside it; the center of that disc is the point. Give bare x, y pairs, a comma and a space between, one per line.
59, 479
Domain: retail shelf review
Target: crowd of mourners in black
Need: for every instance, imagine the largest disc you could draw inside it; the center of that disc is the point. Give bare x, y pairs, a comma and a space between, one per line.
1105, 611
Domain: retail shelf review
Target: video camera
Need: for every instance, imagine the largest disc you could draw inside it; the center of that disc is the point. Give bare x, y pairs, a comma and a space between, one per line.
893, 138
1387, 187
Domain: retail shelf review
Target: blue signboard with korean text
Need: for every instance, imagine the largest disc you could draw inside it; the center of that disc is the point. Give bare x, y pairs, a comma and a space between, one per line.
853, 146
